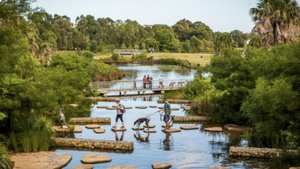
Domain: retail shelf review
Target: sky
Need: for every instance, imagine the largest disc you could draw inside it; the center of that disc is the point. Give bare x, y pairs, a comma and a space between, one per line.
219, 15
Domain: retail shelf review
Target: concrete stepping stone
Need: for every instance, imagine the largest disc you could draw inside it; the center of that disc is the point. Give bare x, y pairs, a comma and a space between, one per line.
163, 126
84, 166
118, 129
141, 107
150, 131
99, 131
161, 165
136, 129
95, 158
171, 130
149, 126
38, 160
175, 109
213, 129
187, 108
128, 107
111, 108
152, 106
92, 126
65, 129
102, 107
160, 107
234, 127
122, 167
218, 167
189, 127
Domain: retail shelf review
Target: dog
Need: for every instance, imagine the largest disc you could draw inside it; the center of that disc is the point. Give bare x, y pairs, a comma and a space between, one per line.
139, 121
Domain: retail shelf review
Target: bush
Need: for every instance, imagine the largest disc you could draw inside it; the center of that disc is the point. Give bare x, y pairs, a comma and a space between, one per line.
116, 56
88, 54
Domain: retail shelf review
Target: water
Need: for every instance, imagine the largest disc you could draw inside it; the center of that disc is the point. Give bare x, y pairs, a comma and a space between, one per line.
188, 149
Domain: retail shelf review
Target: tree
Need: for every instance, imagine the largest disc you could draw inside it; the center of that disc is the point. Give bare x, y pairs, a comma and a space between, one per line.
239, 37
276, 16
223, 41
166, 38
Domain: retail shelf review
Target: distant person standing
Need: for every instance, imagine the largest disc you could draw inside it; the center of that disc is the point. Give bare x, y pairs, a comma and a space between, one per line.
144, 81
120, 111
161, 81
134, 83
150, 82
62, 117
167, 113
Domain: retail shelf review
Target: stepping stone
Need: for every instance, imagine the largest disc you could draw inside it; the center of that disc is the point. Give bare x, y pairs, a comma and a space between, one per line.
163, 126
174, 109
111, 108
99, 131
161, 107
189, 127
83, 166
122, 167
149, 126
213, 129
150, 131
141, 107
128, 107
234, 127
161, 165
65, 129
95, 158
92, 126
171, 130
187, 108
218, 167
118, 129
102, 107
153, 106
136, 129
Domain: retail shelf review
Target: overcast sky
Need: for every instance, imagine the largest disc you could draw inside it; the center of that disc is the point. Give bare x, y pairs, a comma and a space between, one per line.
220, 15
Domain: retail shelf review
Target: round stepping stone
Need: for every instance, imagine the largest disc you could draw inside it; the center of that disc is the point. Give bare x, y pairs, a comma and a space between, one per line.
102, 107
136, 129
128, 107
161, 165
95, 158
163, 126
118, 129
174, 109
189, 127
99, 131
161, 107
122, 167
149, 126
171, 130
84, 166
234, 127
218, 167
213, 129
92, 126
150, 131
153, 106
111, 108
141, 107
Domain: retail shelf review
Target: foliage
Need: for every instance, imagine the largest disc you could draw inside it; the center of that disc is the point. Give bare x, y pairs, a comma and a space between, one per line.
116, 56
4, 159
239, 37
172, 61
223, 41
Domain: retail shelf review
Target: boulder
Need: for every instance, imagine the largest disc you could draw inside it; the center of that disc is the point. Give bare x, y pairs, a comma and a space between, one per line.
92, 126
189, 127
150, 131
122, 167
83, 166
38, 160
213, 129
99, 131
161, 165
95, 158
149, 126
171, 130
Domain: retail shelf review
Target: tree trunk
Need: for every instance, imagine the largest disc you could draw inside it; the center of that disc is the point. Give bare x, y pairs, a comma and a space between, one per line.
275, 33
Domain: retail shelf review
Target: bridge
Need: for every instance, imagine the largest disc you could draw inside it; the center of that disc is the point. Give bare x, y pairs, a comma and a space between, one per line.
136, 87
128, 51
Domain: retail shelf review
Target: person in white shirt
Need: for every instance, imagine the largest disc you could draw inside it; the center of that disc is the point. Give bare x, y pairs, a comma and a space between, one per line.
161, 81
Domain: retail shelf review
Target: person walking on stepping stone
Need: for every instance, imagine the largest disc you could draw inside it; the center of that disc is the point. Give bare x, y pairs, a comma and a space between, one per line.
167, 113
62, 117
120, 112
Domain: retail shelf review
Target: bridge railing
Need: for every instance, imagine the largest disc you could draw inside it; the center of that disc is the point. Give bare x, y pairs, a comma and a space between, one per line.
122, 85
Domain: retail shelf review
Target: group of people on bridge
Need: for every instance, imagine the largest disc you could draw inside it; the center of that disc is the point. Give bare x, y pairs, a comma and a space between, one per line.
148, 82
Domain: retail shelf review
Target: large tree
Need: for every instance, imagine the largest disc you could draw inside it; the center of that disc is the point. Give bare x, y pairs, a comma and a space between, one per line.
276, 16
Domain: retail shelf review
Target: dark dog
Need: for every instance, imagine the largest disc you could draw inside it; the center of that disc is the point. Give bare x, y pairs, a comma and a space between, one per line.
139, 121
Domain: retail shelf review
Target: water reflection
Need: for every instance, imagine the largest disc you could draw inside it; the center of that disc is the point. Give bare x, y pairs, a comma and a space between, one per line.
137, 135
117, 137
167, 143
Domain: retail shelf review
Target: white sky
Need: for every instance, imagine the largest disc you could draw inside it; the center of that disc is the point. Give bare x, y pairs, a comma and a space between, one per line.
219, 15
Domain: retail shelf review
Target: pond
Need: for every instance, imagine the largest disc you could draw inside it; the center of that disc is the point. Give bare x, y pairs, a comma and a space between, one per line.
186, 149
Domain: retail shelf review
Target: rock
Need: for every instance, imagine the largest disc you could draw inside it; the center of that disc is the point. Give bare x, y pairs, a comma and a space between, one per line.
111, 108
95, 158
152, 106
187, 108
149, 126
65, 129
150, 131
213, 129
141, 107
102, 107
218, 167
234, 127
38, 160
189, 127
84, 166
92, 126
190, 119
99, 131
163, 126
90, 120
177, 101
136, 129
118, 129
122, 167
160, 107
171, 130
174, 109
128, 107
161, 165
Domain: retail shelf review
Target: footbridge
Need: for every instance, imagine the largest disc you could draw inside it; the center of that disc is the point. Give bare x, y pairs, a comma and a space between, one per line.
137, 87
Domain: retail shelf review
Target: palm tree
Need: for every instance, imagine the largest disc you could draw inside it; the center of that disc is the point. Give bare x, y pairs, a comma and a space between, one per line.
277, 15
